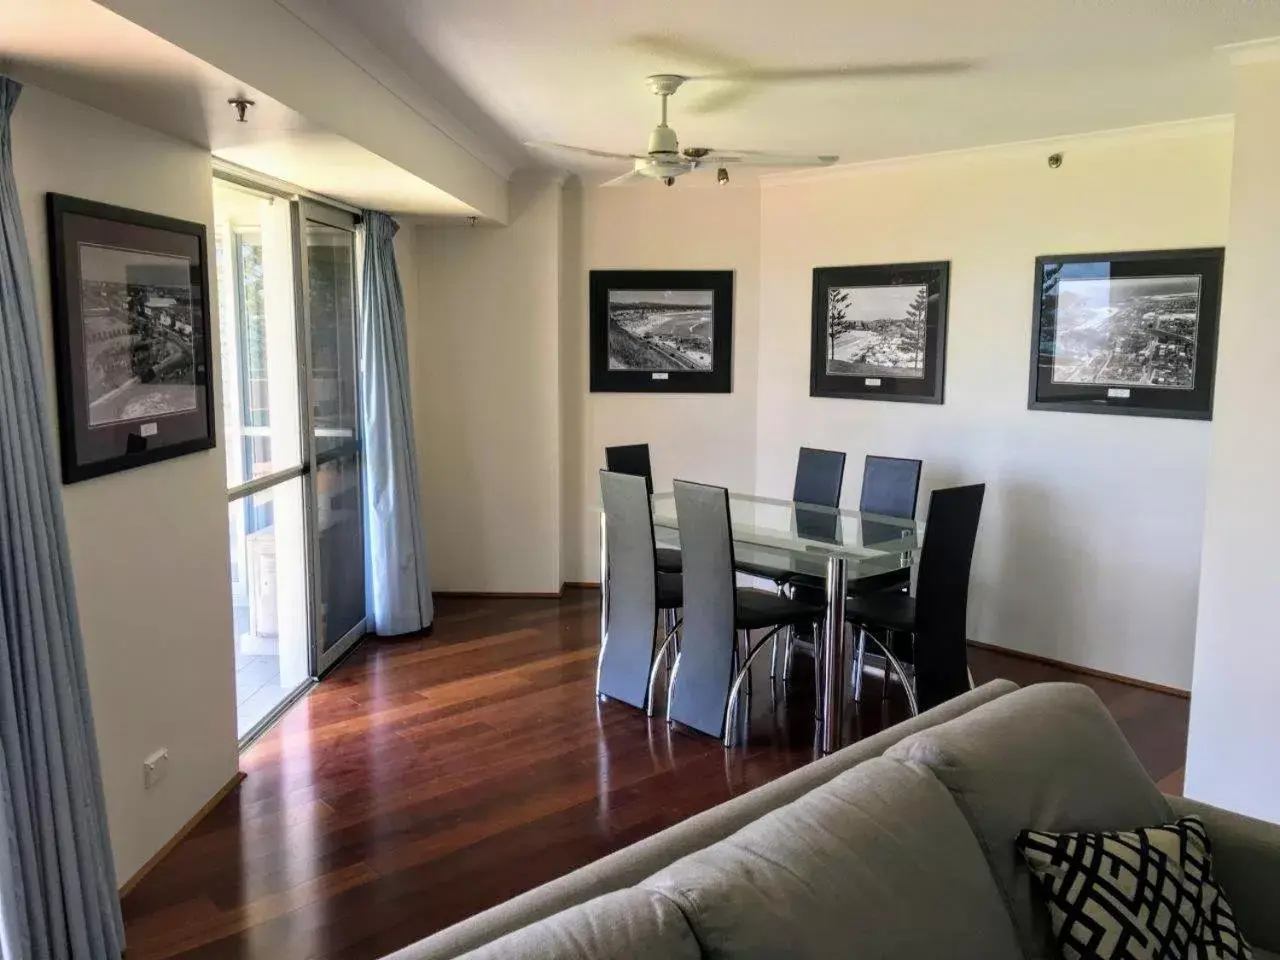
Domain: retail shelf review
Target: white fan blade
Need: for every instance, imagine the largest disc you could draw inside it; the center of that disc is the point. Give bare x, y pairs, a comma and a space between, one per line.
928, 68
629, 177
603, 154
755, 158
669, 48
729, 95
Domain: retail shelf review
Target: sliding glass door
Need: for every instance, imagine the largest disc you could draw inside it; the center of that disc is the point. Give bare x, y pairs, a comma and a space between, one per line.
329, 271
287, 295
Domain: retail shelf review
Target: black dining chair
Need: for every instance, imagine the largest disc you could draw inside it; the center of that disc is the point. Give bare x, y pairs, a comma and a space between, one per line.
633, 459
890, 488
935, 618
818, 483
819, 478
637, 595
715, 652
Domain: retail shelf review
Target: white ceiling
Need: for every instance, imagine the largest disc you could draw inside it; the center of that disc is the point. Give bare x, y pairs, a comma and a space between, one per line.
572, 70
84, 51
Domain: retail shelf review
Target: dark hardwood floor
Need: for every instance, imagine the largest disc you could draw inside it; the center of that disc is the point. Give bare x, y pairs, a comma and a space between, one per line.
426, 780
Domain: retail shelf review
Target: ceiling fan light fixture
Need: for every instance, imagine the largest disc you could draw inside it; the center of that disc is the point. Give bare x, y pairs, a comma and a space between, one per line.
664, 161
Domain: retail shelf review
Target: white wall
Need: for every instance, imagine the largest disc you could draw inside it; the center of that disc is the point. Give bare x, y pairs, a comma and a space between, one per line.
1090, 541
1235, 714
706, 437
487, 397
149, 546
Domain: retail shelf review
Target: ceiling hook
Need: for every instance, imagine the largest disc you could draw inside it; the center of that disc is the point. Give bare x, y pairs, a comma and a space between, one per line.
242, 105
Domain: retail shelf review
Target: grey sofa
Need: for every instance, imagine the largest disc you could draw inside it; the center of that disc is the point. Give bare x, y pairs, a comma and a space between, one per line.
899, 846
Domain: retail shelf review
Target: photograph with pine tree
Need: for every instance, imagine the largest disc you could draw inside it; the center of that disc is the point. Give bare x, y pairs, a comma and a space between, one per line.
877, 331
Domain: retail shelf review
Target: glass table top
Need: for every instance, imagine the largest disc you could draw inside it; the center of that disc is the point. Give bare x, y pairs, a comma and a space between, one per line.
799, 537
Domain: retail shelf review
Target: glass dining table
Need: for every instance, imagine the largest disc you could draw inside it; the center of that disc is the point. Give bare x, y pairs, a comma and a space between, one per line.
848, 551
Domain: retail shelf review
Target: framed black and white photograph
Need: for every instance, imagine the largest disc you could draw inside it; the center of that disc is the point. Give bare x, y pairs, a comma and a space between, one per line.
1127, 333
661, 331
131, 336
880, 332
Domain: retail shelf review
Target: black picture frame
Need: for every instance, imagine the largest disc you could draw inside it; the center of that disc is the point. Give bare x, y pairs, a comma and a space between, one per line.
678, 363
131, 336
1162, 375
915, 294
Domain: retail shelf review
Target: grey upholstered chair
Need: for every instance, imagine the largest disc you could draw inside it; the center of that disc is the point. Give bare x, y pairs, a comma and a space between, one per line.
637, 594
710, 669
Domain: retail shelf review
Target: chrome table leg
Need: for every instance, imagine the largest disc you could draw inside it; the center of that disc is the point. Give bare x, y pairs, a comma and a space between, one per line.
833, 652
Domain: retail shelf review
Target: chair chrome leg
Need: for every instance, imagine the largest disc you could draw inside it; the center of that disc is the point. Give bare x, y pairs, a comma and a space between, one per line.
908, 685
743, 676
667, 648
773, 658
789, 638
604, 599
888, 644
969, 671
817, 675
859, 663
671, 686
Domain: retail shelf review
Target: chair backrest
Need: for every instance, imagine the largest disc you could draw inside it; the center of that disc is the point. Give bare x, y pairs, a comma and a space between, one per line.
700, 692
631, 458
890, 487
942, 593
627, 650
821, 524
819, 477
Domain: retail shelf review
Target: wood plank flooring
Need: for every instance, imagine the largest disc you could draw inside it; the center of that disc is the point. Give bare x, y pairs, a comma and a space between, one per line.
428, 779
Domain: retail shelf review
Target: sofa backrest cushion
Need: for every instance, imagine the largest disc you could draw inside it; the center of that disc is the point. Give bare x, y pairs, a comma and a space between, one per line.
876, 863
630, 924
1047, 757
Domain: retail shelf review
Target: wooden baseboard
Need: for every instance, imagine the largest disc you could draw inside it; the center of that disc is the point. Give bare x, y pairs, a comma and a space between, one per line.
500, 594
1089, 671
187, 827
519, 594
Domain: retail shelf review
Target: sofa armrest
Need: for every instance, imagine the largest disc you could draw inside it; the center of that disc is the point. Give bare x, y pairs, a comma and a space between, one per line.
1246, 863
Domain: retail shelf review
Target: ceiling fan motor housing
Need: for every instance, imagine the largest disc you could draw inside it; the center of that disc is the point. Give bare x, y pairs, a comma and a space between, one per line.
660, 168
664, 160
663, 140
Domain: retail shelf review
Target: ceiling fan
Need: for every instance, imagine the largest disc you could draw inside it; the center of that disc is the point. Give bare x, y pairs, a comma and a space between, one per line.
665, 160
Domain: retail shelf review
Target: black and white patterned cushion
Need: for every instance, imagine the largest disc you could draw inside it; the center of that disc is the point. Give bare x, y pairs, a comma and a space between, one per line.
1148, 893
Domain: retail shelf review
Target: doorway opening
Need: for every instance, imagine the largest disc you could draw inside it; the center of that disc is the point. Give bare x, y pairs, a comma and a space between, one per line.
287, 301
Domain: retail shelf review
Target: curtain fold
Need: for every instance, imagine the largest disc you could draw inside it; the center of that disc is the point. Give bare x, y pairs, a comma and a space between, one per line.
398, 590
58, 894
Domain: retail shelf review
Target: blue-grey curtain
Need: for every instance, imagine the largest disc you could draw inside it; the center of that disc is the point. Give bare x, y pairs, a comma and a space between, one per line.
58, 894
399, 594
